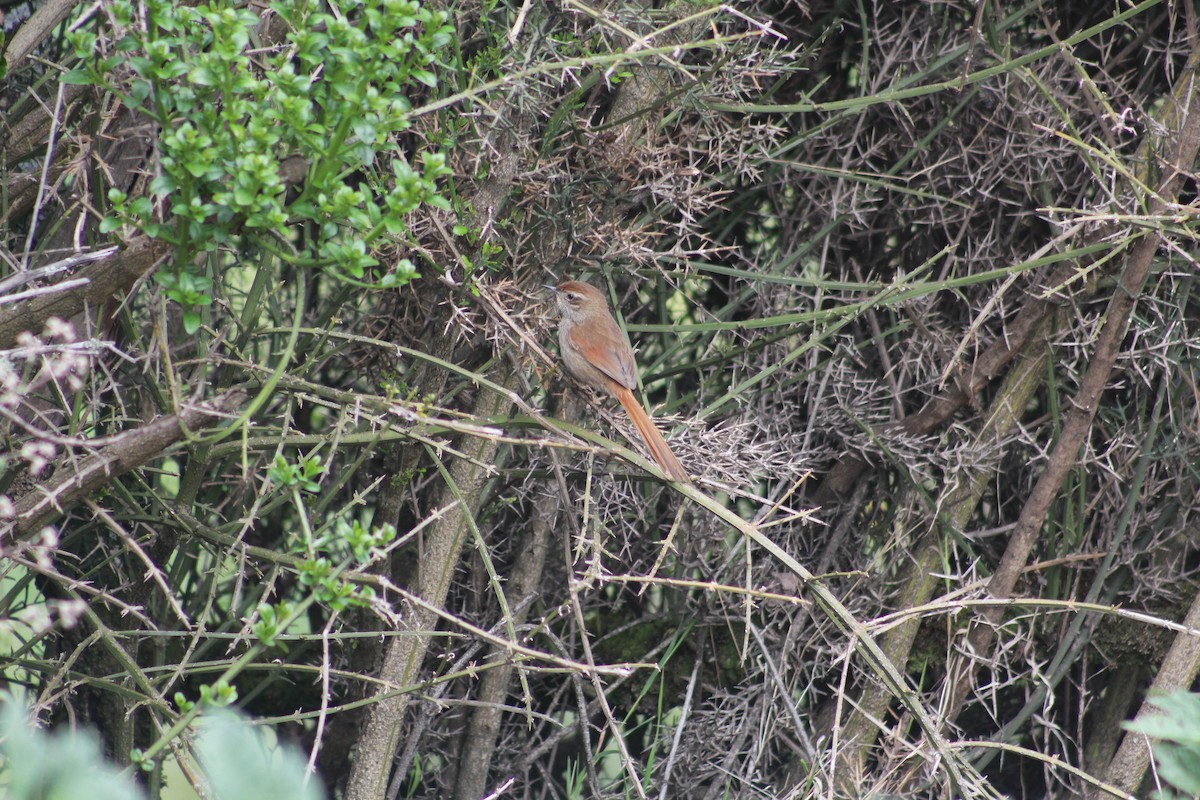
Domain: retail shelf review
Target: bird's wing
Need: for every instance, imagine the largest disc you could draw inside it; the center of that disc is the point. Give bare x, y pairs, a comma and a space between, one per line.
607, 350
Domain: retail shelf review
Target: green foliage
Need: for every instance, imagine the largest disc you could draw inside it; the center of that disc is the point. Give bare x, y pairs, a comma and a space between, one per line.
189, 290
140, 760
1178, 749
239, 766
332, 98
270, 622
68, 765
363, 543
304, 473
327, 552
59, 766
184, 705
340, 545
216, 695
321, 576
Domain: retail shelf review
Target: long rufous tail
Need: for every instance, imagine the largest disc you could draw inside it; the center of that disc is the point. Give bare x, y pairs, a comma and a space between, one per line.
657, 445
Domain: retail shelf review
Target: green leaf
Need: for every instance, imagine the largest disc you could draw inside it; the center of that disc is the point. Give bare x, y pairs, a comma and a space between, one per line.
201, 75
240, 766
218, 694
139, 90
1179, 765
80, 76
1178, 728
138, 758
1180, 722
163, 185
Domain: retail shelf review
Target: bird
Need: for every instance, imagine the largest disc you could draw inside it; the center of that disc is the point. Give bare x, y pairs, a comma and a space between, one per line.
596, 353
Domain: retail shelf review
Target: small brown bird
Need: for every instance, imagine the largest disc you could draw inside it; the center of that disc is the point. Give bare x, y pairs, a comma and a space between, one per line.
596, 353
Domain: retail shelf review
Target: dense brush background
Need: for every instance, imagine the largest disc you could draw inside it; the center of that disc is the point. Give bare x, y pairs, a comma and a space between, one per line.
876, 258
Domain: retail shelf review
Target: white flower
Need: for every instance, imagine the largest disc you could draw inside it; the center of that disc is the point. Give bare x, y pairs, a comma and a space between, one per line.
58, 329
69, 612
39, 454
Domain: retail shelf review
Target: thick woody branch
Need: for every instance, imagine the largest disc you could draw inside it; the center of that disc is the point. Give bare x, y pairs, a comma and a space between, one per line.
39, 27
90, 285
75, 481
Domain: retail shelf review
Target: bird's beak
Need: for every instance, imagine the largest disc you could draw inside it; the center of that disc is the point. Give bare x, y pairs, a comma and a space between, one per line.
551, 287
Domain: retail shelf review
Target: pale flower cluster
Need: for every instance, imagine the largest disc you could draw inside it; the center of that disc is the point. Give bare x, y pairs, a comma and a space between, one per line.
53, 357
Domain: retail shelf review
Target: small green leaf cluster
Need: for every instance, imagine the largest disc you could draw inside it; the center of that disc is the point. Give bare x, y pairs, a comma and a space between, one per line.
1178, 750
270, 622
343, 543
304, 473
333, 96
319, 575
326, 553
215, 695
139, 759
352, 540
191, 291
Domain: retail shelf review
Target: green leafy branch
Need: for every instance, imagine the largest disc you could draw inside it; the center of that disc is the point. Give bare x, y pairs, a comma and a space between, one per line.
239, 125
327, 552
